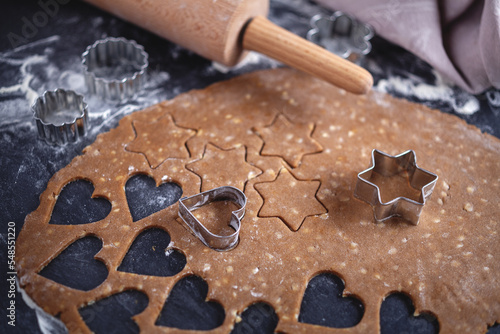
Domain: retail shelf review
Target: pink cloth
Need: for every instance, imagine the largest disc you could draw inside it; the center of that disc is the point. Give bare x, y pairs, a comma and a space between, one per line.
459, 38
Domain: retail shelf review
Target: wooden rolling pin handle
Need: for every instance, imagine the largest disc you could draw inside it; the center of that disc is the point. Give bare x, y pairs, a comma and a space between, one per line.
265, 37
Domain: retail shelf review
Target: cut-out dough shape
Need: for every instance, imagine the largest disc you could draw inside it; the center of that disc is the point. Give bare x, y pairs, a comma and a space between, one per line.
323, 304
494, 329
397, 316
75, 205
149, 255
145, 198
290, 199
156, 150
258, 318
291, 141
114, 314
232, 168
76, 266
187, 308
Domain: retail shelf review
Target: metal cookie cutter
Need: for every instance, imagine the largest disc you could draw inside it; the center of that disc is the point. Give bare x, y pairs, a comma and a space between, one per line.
60, 116
342, 35
388, 165
115, 68
217, 242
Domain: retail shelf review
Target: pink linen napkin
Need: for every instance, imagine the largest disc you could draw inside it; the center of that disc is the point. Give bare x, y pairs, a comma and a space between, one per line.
459, 38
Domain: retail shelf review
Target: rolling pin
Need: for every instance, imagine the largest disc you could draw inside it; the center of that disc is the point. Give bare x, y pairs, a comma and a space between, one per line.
221, 30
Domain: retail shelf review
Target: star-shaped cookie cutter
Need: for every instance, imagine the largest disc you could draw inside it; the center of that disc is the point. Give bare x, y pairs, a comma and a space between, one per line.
341, 34
388, 165
192, 203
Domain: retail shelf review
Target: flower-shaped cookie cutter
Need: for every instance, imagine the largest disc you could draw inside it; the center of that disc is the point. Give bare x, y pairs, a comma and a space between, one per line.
214, 241
341, 34
115, 68
388, 165
60, 116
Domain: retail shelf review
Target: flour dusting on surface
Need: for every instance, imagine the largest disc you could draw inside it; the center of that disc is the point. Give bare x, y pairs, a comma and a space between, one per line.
35, 73
48, 324
461, 102
252, 58
23, 87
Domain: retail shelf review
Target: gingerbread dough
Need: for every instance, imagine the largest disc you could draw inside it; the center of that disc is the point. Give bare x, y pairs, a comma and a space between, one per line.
301, 217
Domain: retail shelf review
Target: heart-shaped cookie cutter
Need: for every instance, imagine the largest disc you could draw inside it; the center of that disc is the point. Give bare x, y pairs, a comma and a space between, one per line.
225, 193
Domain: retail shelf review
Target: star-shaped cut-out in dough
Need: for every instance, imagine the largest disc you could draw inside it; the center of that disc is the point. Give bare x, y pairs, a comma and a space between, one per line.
290, 199
383, 186
291, 141
220, 167
160, 140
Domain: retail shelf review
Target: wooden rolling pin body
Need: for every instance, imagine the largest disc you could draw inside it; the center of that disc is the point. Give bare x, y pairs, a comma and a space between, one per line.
221, 30
211, 28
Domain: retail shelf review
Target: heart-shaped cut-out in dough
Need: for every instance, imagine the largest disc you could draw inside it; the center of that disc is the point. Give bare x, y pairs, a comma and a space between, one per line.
76, 266
145, 198
397, 316
114, 314
186, 307
75, 205
258, 318
494, 329
149, 255
215, 241
324, 305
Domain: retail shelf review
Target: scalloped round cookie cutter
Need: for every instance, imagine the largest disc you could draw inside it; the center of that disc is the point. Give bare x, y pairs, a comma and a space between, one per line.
341, 34
388, 165
192, 203
60, 116
115, 68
